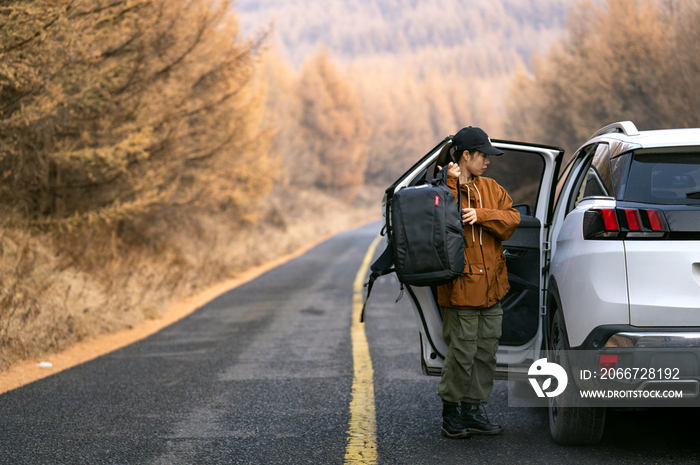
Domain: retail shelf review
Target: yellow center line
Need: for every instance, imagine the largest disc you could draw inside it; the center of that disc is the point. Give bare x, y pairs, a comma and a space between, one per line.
362, 436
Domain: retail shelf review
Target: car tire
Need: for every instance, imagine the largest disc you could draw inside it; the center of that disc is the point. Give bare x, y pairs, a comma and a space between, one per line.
570, 425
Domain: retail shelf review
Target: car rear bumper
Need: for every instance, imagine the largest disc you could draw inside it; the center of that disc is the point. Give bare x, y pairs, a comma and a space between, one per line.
643, 359
654, 340
621, 336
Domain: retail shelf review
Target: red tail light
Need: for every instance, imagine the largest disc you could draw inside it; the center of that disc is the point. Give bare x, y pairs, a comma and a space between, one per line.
609, 219
624, 223
633, 221
656, 220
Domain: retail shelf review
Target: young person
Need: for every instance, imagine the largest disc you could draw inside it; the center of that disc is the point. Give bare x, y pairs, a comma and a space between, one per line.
470, 305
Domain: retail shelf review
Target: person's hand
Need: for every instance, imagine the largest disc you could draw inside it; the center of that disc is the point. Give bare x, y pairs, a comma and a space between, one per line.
453, 170
468, 216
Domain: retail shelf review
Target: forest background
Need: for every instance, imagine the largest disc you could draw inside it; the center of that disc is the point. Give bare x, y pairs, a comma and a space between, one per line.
152, 148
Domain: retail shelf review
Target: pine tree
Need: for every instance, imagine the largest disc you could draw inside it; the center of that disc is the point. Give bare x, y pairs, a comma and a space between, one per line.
332, 126
115, 109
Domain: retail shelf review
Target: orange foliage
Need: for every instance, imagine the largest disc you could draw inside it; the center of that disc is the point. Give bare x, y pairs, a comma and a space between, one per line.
623, 60
332, 125
112, 110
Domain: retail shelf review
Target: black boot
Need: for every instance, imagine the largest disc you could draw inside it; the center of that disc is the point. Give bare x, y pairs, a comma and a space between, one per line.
473, 416
452, 425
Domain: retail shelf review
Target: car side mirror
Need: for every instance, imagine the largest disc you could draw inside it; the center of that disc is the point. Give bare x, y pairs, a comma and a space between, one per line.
524, 209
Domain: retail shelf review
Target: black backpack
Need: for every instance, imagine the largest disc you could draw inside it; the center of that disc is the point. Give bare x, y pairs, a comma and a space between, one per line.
425, 236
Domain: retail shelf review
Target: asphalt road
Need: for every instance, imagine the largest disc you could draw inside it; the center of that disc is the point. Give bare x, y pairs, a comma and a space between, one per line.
263, 375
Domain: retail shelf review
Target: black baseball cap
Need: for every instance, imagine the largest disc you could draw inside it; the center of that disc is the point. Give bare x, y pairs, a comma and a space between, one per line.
474, 139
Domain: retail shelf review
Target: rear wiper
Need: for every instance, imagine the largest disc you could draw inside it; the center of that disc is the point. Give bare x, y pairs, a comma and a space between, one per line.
693, 195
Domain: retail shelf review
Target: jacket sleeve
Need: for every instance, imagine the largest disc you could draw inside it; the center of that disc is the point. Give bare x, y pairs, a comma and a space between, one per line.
500, 222
452, 184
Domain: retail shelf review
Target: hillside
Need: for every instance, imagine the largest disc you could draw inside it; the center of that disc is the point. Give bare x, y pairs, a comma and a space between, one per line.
469, 36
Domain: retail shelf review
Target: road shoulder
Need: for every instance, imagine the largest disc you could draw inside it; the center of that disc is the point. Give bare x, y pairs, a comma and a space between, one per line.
28, 371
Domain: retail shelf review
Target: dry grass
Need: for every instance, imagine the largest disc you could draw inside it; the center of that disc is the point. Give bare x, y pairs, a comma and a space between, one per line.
59, 290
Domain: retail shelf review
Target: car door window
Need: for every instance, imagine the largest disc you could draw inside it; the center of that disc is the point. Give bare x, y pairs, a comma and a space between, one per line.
594, 177
584, 176
520, 173
563, 178
598, 182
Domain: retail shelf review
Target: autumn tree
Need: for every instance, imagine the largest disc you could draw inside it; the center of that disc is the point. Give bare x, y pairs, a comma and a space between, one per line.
115, 109
623, 60
407, 116
332, 127
397, 115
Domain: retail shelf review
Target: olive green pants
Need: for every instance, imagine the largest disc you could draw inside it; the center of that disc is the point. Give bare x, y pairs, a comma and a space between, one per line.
472, 340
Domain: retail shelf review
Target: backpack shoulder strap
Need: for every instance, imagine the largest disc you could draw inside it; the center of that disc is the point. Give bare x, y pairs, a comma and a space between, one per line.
383, 265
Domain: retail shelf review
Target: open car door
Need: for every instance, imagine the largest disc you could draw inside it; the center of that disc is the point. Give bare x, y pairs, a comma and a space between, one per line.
528, 173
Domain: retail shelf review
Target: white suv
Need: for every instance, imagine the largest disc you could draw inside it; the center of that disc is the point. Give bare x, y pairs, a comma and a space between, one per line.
606, 257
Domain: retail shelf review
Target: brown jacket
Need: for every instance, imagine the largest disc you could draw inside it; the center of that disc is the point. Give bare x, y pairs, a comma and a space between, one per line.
496, 220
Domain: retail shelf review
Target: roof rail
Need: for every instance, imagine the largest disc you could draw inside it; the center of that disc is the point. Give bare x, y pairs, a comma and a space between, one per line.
625, 127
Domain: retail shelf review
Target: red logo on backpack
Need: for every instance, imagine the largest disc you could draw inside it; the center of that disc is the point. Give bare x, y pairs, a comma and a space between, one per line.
437, 200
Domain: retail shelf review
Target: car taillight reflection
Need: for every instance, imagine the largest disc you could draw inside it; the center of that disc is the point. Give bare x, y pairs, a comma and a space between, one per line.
624, 223
607, 362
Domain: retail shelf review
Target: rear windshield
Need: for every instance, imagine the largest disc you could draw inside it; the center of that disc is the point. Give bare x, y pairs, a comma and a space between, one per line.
665, 179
